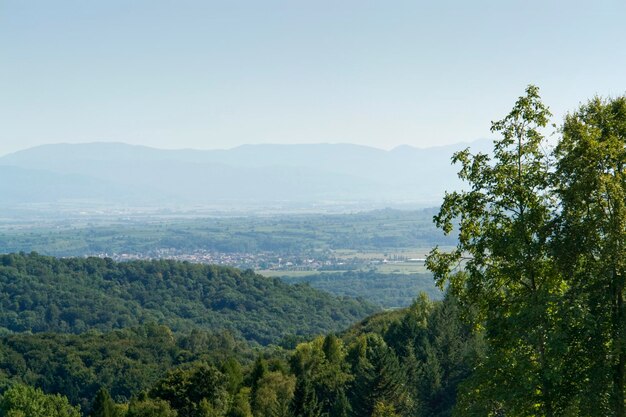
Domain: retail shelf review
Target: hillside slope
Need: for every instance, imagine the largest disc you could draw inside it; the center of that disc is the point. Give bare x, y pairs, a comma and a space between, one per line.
40, 294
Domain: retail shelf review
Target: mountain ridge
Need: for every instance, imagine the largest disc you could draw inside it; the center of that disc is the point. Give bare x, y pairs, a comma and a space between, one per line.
245, 145
247, 173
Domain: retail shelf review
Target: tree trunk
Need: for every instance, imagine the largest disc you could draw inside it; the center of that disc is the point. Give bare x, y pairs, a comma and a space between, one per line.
619, 367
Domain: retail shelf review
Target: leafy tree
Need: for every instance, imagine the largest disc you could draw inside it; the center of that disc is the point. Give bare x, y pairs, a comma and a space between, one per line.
413, 327
333, 349
509, 278
591, 183
25, 401
273, 395
241, 404
150, 407
384, 410
322, 374
197, 391
233, 372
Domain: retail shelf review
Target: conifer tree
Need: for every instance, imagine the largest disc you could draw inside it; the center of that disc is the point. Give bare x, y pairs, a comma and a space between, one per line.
379, 377
305, 402
341, 406
103, 405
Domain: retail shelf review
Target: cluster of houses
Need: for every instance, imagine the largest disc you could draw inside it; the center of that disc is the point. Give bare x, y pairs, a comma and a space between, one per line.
261, 260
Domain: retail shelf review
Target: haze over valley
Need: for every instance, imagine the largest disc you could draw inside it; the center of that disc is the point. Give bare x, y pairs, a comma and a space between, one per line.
281, 208
316, 177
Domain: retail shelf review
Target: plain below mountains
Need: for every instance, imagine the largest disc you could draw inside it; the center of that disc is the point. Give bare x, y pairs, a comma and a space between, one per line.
140, 176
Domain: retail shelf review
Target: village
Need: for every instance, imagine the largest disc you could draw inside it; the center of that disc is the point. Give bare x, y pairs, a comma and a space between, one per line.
268, 261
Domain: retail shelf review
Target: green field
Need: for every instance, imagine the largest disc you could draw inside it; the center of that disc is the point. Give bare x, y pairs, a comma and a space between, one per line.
360, 235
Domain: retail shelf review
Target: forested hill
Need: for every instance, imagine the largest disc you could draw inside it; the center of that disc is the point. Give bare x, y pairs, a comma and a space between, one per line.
399, 363
46, 294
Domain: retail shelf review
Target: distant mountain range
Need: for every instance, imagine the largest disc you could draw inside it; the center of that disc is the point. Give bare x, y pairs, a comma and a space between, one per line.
138, 175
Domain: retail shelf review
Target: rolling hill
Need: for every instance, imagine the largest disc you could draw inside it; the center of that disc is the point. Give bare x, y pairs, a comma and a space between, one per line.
74, 295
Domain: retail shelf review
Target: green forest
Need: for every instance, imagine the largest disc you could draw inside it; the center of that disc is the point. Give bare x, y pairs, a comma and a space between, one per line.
385, 290
74, 295
405, 362
532, 321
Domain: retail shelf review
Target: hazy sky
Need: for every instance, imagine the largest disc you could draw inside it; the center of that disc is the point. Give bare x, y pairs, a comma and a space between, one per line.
217, 74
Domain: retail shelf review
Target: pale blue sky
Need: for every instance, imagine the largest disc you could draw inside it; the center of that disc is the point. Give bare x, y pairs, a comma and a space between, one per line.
217, 74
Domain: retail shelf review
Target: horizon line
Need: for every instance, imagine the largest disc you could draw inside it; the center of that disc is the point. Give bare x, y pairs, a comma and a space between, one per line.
119, 143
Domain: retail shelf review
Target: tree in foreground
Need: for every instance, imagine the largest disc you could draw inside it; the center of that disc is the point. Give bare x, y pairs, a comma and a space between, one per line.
502, 268
591, 247
25, 401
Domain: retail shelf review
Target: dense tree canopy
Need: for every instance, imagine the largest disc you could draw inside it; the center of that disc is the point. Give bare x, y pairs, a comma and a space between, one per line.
40, 294
152, 372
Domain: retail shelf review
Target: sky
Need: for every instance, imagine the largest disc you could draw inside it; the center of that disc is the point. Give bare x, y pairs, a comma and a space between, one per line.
218, 74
